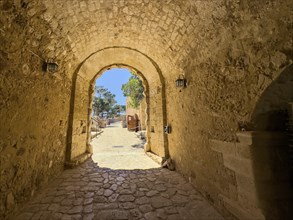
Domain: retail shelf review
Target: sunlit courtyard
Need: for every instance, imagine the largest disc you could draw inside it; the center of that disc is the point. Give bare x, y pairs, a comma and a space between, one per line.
118, 148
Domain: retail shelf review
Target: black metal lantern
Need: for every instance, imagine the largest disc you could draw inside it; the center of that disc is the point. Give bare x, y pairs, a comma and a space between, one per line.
181, 82
50, 66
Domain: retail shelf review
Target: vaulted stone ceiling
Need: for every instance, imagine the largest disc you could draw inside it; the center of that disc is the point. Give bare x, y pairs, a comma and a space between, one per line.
160, 29
236, 56
171, 32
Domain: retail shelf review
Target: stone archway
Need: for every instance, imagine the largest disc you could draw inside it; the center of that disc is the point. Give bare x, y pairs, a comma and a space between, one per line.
270, 152
78, 147
146, 100
261, 159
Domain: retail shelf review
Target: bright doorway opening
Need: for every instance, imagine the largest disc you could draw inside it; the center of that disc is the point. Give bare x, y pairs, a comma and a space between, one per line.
119, 121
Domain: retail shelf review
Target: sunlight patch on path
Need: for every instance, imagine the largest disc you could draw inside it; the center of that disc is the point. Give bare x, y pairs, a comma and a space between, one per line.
117, 148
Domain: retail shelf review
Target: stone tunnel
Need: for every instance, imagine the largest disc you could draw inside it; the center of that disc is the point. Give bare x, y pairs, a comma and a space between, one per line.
232, 124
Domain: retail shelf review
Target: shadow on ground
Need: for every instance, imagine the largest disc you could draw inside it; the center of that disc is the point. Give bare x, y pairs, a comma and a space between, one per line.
91, 192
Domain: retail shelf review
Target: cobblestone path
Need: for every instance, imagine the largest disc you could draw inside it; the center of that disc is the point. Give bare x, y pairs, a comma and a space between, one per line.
89, 192
93, 192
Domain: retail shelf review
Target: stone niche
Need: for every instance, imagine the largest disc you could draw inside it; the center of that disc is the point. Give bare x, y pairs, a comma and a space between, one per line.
260, 161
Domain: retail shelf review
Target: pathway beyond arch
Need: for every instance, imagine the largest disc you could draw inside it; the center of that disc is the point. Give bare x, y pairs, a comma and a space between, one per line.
117, 148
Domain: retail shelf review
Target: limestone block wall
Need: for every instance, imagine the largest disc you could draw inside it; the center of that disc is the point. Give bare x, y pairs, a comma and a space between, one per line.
271, 112
142, 114
129, 109
239, 54
34, 114
156, 122
290, 136
33, 132
230, 51
80, 125
34, 105
140, 111
261, 189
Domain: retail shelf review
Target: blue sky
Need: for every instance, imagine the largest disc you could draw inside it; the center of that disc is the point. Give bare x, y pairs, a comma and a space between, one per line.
112, 80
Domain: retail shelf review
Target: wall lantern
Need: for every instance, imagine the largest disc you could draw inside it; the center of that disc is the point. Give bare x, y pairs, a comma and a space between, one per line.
50, 66
167, 129
181, 82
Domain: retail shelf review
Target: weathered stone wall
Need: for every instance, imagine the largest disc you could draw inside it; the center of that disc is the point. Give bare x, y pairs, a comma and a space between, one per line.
130, 110
156, 123
243, 47
142, 114
271, 110
230, 51
34, 105
140, 111
80, 118
147, 69
33, 134
260, 161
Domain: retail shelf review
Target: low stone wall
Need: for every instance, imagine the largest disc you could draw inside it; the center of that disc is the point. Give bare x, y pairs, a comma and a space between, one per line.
260, 162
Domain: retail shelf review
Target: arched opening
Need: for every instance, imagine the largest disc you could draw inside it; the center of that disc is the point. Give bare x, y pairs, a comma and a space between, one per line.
117, 146
270, 147
146, 94
265, 151
79, 147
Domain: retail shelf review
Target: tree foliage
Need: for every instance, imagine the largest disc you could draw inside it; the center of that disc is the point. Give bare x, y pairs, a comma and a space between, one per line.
133, 89
103, 101
117, 109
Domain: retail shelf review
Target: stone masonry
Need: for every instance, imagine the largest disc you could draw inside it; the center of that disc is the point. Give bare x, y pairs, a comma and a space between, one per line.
236, 56
89, 192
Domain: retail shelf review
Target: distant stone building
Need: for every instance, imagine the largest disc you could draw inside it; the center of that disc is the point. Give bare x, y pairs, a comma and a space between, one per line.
140, 112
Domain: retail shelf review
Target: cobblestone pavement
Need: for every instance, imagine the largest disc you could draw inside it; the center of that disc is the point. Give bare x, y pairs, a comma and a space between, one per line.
141, 190
90, 192
117, 148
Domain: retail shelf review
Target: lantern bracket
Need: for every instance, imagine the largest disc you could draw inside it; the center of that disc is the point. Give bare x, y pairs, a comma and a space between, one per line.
50, 66
181, 82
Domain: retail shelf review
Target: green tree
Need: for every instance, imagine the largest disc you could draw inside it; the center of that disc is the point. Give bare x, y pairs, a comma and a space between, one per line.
122, 108
117, 109
133, 89
98, 106
100, 90
110, 101
103, 101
